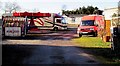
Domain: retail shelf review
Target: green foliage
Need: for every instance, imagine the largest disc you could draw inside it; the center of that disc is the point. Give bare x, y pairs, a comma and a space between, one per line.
114, 15
84, 10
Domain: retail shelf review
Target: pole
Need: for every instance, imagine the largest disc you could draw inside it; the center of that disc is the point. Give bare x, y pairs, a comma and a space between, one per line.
26, 23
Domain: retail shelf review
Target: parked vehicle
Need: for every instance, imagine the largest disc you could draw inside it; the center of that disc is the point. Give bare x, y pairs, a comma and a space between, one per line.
54, 22
13, 26
21, 23
90, 25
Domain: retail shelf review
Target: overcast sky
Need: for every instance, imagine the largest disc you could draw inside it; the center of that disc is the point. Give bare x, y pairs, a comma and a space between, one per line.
57, 5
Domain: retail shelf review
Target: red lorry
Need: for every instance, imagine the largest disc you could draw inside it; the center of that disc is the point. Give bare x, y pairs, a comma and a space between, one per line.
22, 23
90, 25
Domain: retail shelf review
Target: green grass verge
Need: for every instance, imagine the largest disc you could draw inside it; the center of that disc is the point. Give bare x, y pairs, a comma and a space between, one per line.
94, 42
101, 50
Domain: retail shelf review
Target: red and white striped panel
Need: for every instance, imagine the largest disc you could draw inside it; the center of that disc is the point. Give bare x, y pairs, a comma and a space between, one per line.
37, 21
48, 19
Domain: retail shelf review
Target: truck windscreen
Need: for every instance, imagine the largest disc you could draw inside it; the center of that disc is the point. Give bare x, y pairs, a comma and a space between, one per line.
87, 23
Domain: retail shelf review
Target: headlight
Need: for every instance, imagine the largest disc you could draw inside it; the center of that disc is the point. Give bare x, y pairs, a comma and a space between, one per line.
91, 28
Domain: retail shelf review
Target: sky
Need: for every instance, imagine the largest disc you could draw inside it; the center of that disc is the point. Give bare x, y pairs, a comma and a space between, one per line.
55, 6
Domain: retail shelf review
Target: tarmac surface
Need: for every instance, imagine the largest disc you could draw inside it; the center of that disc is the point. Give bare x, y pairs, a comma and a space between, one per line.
55, 47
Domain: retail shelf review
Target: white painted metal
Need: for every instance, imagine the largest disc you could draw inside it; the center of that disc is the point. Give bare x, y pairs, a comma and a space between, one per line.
12, 31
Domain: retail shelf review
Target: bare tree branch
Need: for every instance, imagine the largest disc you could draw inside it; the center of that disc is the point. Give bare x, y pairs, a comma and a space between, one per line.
35, 10
10, 7
0, 5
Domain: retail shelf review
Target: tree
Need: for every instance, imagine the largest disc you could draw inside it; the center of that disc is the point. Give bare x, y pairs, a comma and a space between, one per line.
77, 11
90, 9
80, 11
96, 8
114, 15
10, 7
88, 12
84, 10
63, 11
98, 12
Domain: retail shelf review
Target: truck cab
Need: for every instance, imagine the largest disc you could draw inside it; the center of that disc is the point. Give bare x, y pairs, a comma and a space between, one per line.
89, 25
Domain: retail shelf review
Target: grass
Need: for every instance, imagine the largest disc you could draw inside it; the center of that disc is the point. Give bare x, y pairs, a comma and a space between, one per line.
95, 46
93, 42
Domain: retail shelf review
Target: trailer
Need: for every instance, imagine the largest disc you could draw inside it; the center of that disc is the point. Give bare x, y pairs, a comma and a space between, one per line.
22, 23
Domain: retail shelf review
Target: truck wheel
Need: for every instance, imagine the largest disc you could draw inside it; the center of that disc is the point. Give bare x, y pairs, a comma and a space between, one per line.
65, 28
95, 34
55, 28
80, 35
23, 36
3, 36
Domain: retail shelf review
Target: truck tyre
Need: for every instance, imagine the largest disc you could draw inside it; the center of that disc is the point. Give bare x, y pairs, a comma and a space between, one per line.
80, 35
65, 28
95, 34
3, 36
23, 36
55, 28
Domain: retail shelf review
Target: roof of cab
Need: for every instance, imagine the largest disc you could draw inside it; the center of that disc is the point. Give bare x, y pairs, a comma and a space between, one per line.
90, 17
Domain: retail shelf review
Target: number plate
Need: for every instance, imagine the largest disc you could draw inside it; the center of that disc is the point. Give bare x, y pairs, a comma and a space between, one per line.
84, 32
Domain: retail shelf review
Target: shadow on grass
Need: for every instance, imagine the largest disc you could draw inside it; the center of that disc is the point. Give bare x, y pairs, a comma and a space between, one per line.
106, 53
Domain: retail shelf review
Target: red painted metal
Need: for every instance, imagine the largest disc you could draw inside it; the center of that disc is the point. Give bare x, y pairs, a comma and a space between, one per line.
38, 14
32, 14
88, 17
